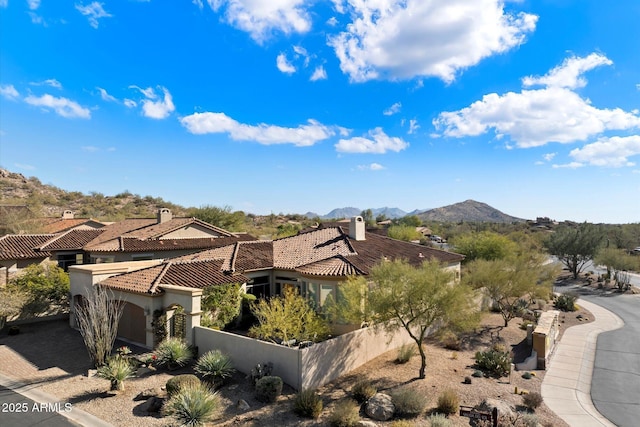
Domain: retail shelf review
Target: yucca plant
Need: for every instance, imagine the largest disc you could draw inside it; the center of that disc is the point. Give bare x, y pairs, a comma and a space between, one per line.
193, 405
173, 353
214, 366
117, 369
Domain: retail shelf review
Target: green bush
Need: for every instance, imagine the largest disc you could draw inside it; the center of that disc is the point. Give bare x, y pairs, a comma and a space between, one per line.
527, 375
439, 420
345, 414
363, 390
405, 353
495, 361
268, 389
477, 373
408, 402
261, 370
529, 420
566, 302
177, 383
308, 404
173, 353
448, 402
532, 400
117, 369
193, 405
214, 366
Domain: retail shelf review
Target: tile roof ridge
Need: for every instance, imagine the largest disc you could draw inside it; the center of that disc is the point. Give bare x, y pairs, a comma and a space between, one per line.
347, 240
234, 256
156, 282
56, 237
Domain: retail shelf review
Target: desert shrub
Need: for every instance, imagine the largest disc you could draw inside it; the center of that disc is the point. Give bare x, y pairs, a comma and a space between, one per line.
268, 389
439, 420
529, 420
173, 352
448, 402
408, 402
117, 369
527, 375
532, 400
193, 405
345, 414
363, 390
405, 353
450, 340
495, 361
214, 366
566, 302
477, 373
261, 370
177, 383
308, 404
402, 423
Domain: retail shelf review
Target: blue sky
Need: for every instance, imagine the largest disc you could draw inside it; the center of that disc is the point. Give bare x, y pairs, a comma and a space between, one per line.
294, 106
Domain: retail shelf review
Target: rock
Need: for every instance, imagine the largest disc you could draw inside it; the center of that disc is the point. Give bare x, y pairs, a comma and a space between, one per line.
366, 423
142, 371
146, 394
380, 407
504, 408
92, 373
153, 404
243, 405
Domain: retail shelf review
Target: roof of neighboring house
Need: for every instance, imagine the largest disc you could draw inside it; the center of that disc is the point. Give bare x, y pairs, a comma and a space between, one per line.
58, 225
23, 246
192, 274
71, 240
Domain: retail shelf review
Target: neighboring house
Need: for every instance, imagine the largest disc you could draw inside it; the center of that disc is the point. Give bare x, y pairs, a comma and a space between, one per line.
315, 262
18, 251
138, 239
68, 222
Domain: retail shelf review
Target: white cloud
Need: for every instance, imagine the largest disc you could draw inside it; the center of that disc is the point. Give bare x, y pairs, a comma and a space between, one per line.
62, 106
549, 156
49, 82
318, 74
283, 65
155, 107
534, 118
24, 166
569, 73
402, 39
105, 95
332, 22
572, 165
4, 3
377, 142
9, 92
372, 167
338, 5
395, 108
198, 3
300, 136
33, 4
610, 152
130, 103
260, 18
93, 12
90, 148
413, 126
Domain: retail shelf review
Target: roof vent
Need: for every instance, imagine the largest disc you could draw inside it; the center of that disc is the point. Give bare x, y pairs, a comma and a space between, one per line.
357, 228
164, 215
67, 214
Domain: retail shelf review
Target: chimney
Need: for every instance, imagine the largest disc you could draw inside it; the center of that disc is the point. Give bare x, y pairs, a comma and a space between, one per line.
356, 228
67, 214
164, 215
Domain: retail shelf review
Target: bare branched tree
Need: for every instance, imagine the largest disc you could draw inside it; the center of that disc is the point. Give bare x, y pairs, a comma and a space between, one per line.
98, 317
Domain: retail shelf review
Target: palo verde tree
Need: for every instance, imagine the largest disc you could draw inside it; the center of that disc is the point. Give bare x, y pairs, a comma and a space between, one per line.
397, 295
221, 304
511, 280
575, 246
98, 317
485, 245
47, 287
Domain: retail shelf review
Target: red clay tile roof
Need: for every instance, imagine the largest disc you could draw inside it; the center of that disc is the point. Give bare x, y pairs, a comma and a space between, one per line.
307, 248
57, 225
334, 267
196, 274
71, 240
23, 246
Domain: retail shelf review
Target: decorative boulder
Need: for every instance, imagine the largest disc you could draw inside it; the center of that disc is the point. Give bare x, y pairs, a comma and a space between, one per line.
366, 423
243, 405
504, 408
380, 407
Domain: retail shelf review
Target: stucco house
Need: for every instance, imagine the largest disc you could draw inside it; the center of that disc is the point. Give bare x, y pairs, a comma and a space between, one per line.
315, 262
18, 251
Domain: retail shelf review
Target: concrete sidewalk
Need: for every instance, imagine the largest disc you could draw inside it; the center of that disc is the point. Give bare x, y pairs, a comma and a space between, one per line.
76, 415
566, 388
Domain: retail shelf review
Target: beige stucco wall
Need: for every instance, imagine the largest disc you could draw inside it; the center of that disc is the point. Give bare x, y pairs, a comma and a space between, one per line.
192, 230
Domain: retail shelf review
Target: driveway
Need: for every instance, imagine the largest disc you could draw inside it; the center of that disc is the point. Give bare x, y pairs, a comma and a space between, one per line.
18, 410
615, 385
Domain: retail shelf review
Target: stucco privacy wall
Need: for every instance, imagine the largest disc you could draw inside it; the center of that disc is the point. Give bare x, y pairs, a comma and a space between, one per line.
307, 368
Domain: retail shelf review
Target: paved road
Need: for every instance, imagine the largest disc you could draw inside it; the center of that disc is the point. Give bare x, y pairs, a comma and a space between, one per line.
615, 385
18, 410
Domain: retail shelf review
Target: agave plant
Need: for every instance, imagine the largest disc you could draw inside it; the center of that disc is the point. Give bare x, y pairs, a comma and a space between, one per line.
193, 405
173, 353
214, 366
116, 370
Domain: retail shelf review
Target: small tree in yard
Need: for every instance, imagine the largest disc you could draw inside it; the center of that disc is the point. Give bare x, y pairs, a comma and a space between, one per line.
47, 287
507, 281
398, 296
575, 246
220, 305
98, 319
11, 302
286, 318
